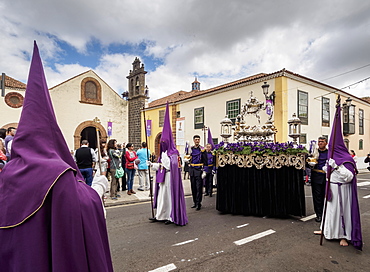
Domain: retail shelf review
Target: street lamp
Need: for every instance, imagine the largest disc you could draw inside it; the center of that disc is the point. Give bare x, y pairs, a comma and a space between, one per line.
270, 100
348, 102
226, 124
294, 128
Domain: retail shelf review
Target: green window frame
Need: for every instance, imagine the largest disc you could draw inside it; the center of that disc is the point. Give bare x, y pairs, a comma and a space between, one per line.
198, 118
302, 101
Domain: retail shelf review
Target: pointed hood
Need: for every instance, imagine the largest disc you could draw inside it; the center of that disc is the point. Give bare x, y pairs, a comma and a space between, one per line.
337, 149
210, 139
40, 154
167, 142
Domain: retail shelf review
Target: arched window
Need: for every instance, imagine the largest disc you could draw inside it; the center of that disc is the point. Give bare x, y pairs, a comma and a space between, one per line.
137, 86
90, 91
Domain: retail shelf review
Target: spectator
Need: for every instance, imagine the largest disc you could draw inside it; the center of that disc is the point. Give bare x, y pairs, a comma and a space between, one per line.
85, 159
123, 163
2, 135
130, 168
103, 158
143, 155
367, 160
3, 158
353, 155
115, 162
11, 132
119, 147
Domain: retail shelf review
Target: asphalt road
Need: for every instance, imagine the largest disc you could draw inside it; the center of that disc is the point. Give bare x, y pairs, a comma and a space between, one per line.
223, 242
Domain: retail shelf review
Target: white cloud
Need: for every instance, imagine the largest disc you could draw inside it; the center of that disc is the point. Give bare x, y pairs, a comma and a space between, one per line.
217, 40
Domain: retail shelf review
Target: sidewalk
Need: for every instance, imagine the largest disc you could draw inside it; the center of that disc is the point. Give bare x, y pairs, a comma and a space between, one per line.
140, 195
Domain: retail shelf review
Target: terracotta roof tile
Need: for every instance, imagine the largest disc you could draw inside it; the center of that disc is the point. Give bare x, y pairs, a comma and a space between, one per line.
367, 99
182, 95
12, 83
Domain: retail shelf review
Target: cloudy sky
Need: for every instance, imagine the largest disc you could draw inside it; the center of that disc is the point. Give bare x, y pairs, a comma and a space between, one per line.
216, 40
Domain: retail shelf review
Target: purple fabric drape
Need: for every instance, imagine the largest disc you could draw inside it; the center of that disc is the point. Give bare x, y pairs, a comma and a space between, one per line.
210, 139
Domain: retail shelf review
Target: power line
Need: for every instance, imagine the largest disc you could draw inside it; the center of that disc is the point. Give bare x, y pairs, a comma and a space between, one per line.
347, 72
355, 83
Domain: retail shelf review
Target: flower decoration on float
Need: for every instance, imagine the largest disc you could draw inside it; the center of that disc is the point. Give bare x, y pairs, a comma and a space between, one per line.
259, 148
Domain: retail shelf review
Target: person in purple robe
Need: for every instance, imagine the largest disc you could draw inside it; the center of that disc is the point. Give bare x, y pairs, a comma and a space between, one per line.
169, 200
209, 169
341, 218
50, 220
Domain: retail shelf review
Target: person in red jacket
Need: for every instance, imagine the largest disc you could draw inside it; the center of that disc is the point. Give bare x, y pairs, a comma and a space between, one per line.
130, 167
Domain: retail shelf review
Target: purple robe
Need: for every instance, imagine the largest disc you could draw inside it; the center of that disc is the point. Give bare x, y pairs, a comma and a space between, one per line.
338, 151
49, 219
178, 209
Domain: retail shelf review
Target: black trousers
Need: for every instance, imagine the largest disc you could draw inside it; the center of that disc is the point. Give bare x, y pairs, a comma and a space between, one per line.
196, 183
209, 183
318, 183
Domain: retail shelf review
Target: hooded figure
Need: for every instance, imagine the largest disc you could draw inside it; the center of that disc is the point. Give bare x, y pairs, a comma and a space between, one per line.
49, 219
209, 165
169, 199
342, 217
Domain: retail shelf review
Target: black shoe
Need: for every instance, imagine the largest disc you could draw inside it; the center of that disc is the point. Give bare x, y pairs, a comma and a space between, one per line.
194, 206
167, 222
199, 206
210, 195
206, 194
140, 189
153, 219
318, 219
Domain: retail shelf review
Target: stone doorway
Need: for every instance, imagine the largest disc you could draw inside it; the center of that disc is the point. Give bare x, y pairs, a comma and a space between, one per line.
87, 131
89, 134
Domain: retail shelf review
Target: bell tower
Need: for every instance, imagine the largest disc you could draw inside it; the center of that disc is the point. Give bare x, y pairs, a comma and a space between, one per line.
137, 94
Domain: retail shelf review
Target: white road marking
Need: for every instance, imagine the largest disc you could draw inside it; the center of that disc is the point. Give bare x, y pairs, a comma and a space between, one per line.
308, 217
186, 242
242, 225
254, 237
367, 196
362, 179
165, 268
365, 183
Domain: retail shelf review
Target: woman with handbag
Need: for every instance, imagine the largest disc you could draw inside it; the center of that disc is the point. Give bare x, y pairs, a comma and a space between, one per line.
115, 165
130, 167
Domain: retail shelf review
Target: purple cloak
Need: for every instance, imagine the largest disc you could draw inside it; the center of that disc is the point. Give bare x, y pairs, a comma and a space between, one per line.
49, 219
338, 151
178, 211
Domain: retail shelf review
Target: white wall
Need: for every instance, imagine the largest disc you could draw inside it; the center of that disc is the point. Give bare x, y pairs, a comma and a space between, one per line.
70, 112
